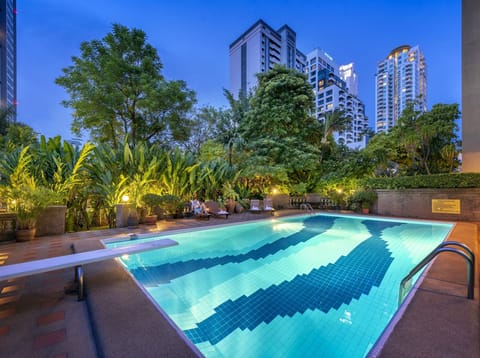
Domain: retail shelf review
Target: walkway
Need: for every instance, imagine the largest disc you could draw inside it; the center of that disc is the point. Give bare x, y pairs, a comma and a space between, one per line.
37, 318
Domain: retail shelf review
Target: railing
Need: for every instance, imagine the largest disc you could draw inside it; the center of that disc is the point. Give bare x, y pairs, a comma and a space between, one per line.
467, 255
321, 203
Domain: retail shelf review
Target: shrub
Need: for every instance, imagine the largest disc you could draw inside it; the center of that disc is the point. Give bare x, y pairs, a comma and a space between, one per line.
151, 201
364, 198
460, 180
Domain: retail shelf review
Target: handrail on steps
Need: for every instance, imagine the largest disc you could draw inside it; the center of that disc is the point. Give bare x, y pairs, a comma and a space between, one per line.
467, 255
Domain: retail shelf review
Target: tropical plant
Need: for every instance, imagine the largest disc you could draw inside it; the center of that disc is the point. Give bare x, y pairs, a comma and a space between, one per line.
228, 192
23, 195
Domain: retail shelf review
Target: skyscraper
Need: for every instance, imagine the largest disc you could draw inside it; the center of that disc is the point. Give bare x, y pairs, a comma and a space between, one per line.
335, 87
400, 78
8, 53
257, 50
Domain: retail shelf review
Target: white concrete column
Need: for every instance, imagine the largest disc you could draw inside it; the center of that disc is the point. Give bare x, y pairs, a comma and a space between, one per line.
471, 85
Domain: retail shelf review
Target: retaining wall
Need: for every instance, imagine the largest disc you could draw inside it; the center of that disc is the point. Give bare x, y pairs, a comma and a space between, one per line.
417, 203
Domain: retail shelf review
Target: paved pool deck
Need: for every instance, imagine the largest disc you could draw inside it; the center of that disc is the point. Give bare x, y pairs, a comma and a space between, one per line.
38, 319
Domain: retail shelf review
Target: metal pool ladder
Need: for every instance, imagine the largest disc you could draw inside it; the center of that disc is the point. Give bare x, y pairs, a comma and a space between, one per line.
467, 254
307, 207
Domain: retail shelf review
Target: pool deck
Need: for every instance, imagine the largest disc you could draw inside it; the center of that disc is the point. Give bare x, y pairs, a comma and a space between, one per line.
38, 319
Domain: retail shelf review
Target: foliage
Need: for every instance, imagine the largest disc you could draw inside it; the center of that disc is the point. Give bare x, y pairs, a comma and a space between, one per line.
420, 143
298, 189
116, 89
108, 181
460, 180
178, 174
23, 195
204, 128
364, 198
278, 128
18, 135
151, 201
228, 192
171, 204
7, 116
334, 121
228, 128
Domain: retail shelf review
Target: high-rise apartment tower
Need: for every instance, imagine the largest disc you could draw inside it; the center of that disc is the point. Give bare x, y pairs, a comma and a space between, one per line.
400, 78
335, 87
8, 53
257, 50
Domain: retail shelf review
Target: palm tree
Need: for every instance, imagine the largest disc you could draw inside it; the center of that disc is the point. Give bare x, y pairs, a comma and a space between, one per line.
335, 121
228, 128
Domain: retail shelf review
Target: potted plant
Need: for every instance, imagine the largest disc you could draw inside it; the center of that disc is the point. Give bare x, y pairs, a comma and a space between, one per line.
23, 196
365, 199
27, 201
151, 202
230, 196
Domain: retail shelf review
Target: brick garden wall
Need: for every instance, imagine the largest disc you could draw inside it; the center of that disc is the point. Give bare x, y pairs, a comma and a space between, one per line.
417, 203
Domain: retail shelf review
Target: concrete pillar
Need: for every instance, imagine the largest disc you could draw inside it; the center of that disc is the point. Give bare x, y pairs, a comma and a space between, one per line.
122, 214
471, 85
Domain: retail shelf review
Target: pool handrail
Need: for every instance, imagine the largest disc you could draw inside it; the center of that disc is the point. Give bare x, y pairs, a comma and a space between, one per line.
467, 255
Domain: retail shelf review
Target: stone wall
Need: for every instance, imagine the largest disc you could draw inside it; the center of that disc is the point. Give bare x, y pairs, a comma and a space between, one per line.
417, 203
51, 221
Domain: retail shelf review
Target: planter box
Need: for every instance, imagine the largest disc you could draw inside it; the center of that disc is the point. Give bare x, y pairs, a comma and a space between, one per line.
51, 221
417, 203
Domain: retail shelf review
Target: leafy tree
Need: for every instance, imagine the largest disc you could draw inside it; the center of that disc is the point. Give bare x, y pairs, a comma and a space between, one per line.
278, 129
228, 131
204, 130
420, 143
427, 138
116, 89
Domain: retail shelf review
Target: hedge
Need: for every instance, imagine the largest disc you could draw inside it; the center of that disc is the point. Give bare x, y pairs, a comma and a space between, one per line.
460, 180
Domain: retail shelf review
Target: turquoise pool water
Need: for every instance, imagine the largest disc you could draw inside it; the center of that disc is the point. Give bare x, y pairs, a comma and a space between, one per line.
323, 285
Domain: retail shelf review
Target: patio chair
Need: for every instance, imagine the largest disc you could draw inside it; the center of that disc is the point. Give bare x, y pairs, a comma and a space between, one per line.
213, 208
268, 205
255, 206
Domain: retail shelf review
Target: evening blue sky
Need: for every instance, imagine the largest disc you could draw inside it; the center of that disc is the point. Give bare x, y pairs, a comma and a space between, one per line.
193, 37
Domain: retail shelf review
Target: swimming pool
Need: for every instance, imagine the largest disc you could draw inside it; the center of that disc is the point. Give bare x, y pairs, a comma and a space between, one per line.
322, 285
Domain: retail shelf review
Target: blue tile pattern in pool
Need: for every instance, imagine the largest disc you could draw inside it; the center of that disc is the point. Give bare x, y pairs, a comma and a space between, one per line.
321, 285
152, 275
324, 288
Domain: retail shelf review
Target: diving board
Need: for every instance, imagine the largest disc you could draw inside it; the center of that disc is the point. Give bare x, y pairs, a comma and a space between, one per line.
60, 262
